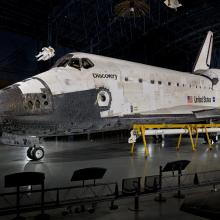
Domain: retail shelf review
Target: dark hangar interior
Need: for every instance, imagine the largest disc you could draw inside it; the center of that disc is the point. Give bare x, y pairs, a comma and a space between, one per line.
99, 175
161, 37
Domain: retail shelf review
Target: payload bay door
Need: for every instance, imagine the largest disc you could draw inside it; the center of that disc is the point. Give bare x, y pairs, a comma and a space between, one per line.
133, 94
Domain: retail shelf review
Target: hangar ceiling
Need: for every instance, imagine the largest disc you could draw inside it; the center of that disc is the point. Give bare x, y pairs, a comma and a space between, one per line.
163, 36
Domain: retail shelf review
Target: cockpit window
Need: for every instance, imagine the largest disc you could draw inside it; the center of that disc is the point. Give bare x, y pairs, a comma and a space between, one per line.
63, 63
86, 63
75, 62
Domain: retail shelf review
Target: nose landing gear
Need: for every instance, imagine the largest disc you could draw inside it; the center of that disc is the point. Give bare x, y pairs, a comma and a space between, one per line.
35, 149
35, 153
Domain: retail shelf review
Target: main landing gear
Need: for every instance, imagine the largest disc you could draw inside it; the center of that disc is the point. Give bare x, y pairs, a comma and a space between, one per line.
213, 138
35, 153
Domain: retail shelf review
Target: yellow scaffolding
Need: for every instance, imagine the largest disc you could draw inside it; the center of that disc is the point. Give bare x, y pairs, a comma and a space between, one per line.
191, 128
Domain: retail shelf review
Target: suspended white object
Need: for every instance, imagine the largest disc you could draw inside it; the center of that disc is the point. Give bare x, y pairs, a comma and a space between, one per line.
132, 139
45, 54
174, 4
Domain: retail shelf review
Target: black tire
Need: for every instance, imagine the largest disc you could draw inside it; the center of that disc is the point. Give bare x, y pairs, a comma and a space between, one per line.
30, 153
212, 137
38, 153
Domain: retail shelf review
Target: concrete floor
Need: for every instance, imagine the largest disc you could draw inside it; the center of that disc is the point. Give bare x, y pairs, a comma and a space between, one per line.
64, 157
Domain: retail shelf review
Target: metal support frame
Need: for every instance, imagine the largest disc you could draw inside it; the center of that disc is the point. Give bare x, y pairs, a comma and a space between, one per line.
132, 148
208, 139
197, 137
146, 150
191, 137
192, 129
179, 141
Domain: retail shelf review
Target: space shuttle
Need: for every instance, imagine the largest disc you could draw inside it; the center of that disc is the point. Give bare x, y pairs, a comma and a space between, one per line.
86, 93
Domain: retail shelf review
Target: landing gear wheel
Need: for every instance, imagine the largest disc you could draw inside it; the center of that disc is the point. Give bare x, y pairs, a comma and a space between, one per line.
38, 153
213, 138
35, 153
29, 153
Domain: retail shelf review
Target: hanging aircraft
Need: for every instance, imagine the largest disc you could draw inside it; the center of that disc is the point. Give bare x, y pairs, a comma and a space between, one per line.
85, 93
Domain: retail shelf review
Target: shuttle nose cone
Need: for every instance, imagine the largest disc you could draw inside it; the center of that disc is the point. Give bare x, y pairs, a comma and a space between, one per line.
17, 101
11, 101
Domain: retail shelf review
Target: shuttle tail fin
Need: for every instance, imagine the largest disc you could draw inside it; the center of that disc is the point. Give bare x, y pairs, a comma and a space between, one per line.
204, 59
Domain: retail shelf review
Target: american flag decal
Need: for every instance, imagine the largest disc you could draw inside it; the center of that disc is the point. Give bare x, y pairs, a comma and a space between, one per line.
189, 99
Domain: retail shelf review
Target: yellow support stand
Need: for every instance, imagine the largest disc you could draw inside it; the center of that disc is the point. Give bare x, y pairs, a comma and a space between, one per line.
209, 141
191, 138
132, 148
192, 129
197, 137
179, 141
146, 150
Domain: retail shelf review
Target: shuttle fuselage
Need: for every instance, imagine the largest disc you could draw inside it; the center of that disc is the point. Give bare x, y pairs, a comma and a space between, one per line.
110, 94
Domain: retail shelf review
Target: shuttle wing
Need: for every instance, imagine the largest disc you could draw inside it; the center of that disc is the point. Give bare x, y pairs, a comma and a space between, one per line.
211, 113
178, 114
181, 109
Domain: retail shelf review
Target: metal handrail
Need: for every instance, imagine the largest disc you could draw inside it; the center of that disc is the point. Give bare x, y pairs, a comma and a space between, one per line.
108, 195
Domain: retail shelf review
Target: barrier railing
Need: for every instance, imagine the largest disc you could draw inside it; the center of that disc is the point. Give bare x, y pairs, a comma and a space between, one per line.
58, 197
94, 193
